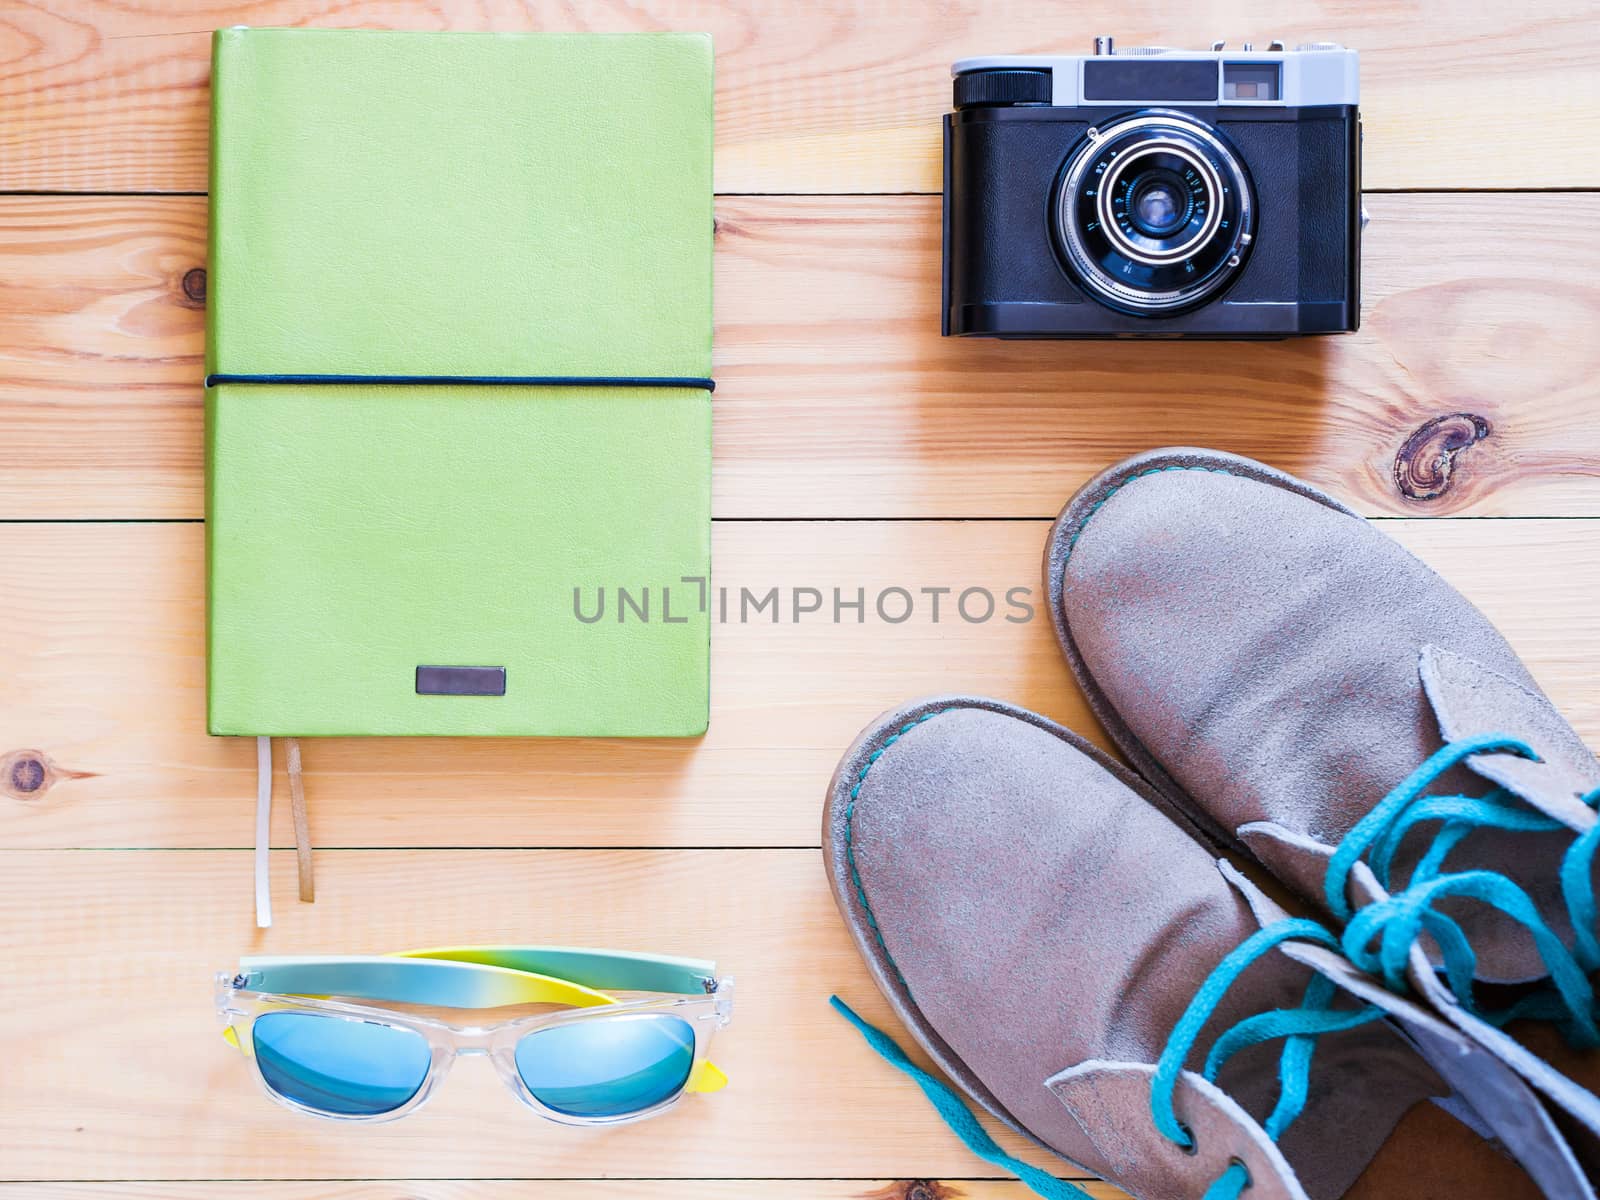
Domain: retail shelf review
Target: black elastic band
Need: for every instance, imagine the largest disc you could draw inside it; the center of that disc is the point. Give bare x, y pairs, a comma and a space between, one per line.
584, 381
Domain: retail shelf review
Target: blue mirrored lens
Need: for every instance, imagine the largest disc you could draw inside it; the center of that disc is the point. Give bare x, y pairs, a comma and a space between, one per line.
334, 1065
608, 1068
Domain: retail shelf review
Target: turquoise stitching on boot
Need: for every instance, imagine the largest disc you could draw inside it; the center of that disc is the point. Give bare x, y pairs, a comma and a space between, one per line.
1298, 1028
961, 1119
850, 835
1378, 938
1101, 503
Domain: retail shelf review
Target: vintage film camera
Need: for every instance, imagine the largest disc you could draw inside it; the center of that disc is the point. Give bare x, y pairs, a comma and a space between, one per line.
1154, 192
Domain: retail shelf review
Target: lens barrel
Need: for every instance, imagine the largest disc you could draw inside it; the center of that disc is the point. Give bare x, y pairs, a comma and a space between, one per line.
1154, 213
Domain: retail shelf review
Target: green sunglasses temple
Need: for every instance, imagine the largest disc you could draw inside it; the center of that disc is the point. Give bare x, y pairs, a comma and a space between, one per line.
480, 976
486, 977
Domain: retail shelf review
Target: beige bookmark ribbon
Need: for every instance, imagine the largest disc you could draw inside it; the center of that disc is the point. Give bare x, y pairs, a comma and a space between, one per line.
302, 827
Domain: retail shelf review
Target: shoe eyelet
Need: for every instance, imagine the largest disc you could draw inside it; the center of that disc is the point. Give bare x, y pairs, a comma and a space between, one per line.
1249, 1181
1191, 1146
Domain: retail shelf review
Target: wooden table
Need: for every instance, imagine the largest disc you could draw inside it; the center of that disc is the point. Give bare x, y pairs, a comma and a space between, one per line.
854, 448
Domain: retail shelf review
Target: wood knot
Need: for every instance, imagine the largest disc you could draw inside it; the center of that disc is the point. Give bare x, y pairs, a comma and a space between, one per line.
194, 287
1425, 465
916, 1189
28, 774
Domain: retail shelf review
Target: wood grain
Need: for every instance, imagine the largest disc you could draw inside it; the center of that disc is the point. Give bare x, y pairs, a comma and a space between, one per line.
1471, 391
102, 627
115, 1068
533, 1189
832, 96
1473, 382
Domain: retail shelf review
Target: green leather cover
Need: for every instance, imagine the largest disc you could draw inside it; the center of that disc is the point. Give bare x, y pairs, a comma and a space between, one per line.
458, 204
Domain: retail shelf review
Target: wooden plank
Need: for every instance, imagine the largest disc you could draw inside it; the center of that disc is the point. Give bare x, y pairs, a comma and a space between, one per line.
99, 335
115, 1068
495, 1189
834, 97
839, 399
102, 627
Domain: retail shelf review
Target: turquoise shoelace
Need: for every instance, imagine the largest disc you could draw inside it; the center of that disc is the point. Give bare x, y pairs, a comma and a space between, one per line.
1378, 937
1299, 1028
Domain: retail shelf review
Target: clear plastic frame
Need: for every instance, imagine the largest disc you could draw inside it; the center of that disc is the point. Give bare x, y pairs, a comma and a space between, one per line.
241, 1003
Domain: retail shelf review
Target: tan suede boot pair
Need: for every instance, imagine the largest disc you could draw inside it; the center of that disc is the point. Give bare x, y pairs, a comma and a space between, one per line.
1076, 945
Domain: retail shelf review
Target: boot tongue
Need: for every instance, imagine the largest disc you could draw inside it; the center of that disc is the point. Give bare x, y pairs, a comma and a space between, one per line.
1470, 700
1488, 1094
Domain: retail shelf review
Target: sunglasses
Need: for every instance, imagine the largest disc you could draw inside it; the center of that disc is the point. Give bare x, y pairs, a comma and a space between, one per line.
599, 1061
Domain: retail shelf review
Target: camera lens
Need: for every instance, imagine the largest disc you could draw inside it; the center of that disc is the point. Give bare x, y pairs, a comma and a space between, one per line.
1154, 212
1160, 203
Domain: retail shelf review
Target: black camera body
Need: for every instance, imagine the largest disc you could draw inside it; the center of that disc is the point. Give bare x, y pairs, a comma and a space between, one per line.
1154, 193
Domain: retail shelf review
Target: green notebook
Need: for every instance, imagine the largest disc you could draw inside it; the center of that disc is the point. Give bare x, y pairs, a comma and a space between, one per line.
506, 240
